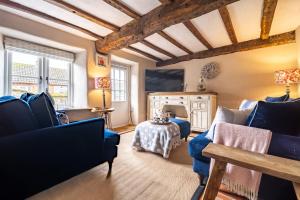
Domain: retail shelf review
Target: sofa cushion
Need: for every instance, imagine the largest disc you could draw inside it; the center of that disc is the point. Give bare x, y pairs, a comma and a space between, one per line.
15, 117
278, 99
278, 117
197, 144
26, 96
43, 110
111, 137
232, 116
247, 104
185, 126
6, 98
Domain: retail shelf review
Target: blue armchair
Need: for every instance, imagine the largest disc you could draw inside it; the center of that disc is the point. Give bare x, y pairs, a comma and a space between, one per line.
34, 159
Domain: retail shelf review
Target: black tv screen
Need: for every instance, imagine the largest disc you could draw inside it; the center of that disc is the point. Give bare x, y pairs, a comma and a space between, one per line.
164, 80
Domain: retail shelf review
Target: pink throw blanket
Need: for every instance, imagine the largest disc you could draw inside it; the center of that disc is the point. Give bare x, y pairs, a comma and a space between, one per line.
236, 179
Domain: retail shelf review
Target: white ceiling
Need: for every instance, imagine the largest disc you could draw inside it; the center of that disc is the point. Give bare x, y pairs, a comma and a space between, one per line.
245, 16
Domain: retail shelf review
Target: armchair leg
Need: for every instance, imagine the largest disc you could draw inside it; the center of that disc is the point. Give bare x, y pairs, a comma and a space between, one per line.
185, 139
109, 168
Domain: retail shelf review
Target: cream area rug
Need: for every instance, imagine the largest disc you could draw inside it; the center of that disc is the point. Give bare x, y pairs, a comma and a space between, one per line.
135, 176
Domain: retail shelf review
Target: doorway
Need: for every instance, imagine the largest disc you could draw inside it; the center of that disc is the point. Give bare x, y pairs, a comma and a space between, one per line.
120, 94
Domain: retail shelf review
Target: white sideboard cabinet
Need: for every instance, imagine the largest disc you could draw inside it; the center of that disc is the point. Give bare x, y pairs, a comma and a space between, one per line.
197, 108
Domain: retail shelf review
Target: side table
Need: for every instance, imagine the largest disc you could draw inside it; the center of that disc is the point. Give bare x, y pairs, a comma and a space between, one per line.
106, 114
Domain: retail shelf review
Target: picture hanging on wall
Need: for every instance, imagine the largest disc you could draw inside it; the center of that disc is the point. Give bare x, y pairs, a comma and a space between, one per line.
101, 60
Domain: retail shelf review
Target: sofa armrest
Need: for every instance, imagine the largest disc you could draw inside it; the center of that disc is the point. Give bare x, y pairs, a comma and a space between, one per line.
36, 160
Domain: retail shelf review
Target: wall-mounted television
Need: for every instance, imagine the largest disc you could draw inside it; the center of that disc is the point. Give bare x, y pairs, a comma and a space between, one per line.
164, 80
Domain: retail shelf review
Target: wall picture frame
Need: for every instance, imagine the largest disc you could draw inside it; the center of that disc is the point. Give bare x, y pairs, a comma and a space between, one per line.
102, 60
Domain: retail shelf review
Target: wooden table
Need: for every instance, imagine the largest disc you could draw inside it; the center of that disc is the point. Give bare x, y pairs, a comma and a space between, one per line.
272, 165
106, 114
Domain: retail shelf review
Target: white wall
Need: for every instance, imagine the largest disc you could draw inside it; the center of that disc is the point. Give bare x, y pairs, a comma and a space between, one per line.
248, 74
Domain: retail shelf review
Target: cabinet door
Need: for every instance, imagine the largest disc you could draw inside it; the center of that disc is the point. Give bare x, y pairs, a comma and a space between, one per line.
199, 120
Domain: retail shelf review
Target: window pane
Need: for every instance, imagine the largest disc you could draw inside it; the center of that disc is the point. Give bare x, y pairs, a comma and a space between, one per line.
59, 81
25, 73
119, 83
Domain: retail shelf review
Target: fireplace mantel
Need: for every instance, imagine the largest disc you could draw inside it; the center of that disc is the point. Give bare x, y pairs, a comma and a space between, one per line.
199, 107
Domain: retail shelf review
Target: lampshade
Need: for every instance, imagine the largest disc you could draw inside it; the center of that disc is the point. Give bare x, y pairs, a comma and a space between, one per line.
102, 83
287, 76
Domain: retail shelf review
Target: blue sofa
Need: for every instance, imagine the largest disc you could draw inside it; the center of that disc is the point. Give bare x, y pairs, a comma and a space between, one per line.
35, 158
282, 144
185, 127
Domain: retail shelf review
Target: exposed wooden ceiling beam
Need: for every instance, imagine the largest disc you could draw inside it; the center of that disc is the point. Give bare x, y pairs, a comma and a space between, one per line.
31, 11
157, 20
66, 6
275, 40
156, 48
173, 41
267, 18
197, 34
144, 53
228, 24
123, 8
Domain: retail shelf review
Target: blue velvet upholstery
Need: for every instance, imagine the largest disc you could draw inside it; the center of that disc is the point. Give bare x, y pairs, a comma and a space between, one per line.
200, 163
278, 99
36, 159
196, 145
6, 98
111, 137
43, 110
185, 127
15, 117
278, 117
26, 96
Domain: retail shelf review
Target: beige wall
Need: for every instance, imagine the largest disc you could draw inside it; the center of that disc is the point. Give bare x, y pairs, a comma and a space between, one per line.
243, 75
37, 29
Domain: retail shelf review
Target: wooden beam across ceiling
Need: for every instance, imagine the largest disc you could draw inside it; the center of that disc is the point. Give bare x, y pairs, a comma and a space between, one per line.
275, 40
66, 6
174, 42
144, 53
31, 11
123, 8
158, 19
228, 24
267, 17
158, 49
197, 34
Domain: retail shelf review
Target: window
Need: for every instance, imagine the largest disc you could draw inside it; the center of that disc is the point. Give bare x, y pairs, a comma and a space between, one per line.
119, 82
31, 73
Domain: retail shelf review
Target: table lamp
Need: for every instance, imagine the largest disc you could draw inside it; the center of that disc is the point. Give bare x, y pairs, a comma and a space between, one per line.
287, 77
104, 84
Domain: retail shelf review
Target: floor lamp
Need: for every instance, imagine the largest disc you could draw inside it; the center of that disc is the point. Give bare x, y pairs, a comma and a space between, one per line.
104, 84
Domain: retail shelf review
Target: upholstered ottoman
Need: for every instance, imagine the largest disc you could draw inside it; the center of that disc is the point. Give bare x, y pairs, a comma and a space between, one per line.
185, 127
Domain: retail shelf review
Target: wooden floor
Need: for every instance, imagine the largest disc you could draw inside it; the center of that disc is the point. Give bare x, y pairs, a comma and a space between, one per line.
135, 176
125, 129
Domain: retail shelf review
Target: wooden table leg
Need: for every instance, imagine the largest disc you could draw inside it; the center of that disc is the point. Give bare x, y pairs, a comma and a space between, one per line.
214, 181
297, 189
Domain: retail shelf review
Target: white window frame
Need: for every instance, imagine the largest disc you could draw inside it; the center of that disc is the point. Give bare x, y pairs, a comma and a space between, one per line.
43, 74
117, 65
